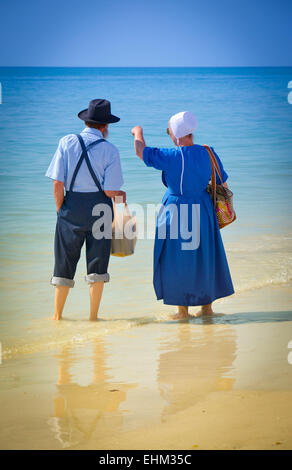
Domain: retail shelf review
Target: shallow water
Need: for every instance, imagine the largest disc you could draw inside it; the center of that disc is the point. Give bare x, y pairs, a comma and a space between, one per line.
243, 113
91, 394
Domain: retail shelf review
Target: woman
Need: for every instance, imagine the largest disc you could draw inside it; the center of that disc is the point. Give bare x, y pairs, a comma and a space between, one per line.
186, 276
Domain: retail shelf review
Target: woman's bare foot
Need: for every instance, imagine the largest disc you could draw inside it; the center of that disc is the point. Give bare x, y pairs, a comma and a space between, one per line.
182, 314
205, 310
179, 316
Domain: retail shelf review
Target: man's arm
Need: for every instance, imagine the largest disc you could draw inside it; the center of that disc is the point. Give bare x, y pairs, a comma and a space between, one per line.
58, 189
59, 194
139, 142
113, 177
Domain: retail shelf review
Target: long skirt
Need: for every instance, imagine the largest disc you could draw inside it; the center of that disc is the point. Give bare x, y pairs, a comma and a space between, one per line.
189, 271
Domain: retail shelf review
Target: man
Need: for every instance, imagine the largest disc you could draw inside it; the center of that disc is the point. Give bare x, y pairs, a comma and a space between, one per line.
88, 167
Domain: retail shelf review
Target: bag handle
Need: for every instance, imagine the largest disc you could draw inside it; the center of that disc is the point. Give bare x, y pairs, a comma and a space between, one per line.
214, 164
125, 204
126, 208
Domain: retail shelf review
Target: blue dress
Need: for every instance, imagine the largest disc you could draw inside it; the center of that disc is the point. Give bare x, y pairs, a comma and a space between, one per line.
190, 265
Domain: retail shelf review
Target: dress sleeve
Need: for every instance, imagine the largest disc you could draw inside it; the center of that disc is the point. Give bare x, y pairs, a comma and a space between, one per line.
56, 170
157, 158
223, 172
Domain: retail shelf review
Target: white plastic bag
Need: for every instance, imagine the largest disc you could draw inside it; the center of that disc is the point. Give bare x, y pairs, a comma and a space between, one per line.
124, 232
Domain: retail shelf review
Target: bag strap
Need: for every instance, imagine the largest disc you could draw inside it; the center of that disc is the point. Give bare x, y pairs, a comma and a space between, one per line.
84, 155
214, 160
214, 164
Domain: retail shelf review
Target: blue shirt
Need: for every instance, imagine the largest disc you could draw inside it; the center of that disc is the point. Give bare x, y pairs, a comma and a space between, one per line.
186, 171
104, 158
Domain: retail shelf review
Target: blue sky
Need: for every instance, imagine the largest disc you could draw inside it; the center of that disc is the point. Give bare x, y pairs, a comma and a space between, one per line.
145, 33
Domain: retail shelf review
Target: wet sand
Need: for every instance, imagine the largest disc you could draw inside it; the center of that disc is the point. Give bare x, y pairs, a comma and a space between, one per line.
211, 383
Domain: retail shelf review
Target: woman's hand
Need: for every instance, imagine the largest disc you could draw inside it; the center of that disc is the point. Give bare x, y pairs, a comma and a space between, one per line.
137, 130
139, 142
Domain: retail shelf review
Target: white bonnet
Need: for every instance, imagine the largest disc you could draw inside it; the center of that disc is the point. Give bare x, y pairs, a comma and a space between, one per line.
183, 123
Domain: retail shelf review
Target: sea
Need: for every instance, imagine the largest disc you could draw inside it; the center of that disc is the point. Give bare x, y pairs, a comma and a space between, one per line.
244, 113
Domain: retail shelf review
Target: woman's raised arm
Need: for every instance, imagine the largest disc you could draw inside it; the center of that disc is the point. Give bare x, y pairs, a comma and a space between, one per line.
139, 142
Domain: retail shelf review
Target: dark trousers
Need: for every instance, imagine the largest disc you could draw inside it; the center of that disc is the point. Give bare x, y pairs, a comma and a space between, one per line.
74, 227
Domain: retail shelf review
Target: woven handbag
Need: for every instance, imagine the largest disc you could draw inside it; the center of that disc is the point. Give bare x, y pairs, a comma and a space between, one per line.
222, 197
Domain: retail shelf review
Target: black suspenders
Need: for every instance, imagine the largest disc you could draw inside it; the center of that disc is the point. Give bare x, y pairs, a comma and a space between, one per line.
84, 155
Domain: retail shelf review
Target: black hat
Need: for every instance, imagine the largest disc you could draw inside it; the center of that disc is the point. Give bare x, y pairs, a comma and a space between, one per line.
98, 111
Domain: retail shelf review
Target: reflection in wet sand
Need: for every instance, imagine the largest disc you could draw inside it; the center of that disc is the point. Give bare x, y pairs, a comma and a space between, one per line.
192, 362
196, 364
223, 381
85, 413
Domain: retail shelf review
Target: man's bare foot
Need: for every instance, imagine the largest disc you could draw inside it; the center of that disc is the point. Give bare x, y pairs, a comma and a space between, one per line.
56, 317
205, 310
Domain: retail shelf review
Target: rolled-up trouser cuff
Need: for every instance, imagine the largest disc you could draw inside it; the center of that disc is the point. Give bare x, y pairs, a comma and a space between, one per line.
62, 281
91, 278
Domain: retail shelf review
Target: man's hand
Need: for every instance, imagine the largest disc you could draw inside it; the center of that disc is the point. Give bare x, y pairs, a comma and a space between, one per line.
58, 189
120, 195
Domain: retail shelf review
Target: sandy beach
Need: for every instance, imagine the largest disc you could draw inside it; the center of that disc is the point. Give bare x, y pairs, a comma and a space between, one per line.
213, 383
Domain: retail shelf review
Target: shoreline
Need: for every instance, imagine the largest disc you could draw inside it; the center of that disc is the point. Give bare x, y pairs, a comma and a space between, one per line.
219, 383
